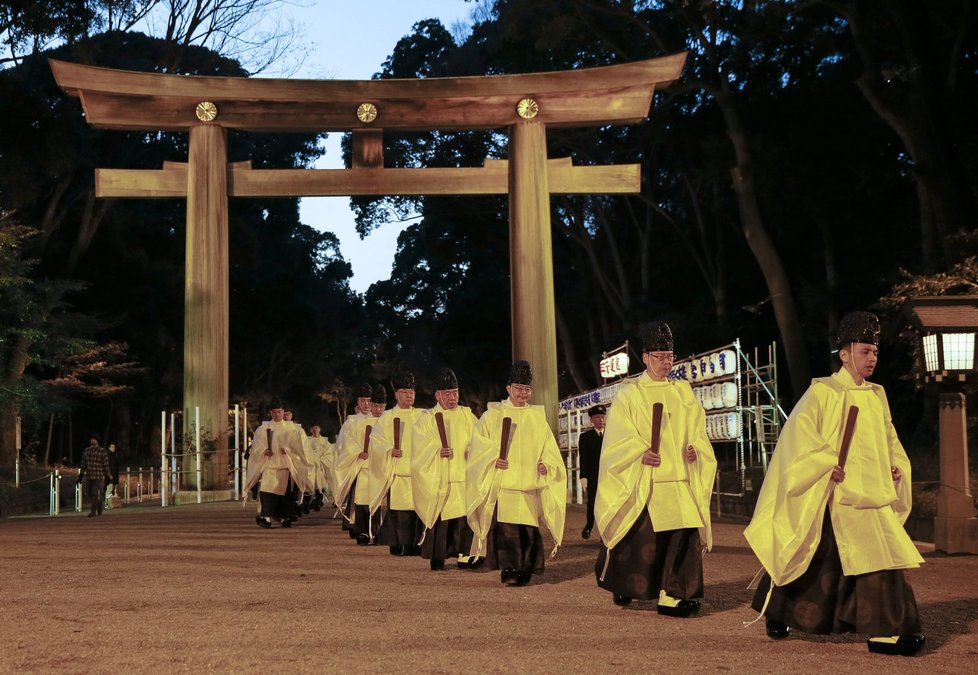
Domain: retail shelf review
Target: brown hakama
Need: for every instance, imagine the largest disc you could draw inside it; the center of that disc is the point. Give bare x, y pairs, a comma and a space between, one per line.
515, 547
361, 518
646, 561
447, 539
399, 528
823, 600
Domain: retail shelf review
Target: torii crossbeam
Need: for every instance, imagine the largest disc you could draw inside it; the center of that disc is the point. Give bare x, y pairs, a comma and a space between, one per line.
206, 107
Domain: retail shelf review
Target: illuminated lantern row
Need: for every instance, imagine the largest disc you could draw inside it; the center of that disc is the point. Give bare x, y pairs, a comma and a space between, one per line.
717, 396
724, 427
706, 367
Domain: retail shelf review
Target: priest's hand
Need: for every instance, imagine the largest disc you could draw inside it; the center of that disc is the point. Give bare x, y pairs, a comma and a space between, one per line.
896, 473
838, 474
362, 455
447, 453
268, 452
651, 458
584, 483
396, 452
541, 468
502, 463
689, 454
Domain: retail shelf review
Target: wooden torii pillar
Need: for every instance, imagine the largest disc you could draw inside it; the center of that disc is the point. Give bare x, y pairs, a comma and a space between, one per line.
205, 107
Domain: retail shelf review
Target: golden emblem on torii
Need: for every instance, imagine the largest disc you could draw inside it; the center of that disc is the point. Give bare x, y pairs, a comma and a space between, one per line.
527, 108
206, 111
366, 112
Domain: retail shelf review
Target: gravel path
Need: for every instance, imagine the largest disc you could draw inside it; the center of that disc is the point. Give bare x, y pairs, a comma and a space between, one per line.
202, 589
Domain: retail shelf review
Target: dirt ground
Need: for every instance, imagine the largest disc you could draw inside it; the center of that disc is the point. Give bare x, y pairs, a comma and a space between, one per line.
201, 589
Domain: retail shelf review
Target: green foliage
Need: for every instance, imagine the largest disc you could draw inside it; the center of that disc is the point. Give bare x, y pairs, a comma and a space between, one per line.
293, 316
36, 334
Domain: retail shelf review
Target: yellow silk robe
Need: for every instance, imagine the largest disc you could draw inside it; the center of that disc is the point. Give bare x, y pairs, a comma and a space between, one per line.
868, 508
521, 494
391, 473
348, 467
439, 482
676, 493
320, 454
273, 471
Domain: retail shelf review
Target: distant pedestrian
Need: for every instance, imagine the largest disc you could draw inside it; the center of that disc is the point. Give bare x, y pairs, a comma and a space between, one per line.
113, 481
589, 451
93, 475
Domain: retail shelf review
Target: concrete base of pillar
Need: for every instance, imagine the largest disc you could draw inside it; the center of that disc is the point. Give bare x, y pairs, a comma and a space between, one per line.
190, 496
956, 535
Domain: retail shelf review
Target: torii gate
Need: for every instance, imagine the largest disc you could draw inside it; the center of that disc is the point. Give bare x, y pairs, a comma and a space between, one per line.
206, 107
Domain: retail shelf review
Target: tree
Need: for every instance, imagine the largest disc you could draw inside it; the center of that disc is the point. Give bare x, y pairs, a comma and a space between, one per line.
918, 77
35, 330
282, 273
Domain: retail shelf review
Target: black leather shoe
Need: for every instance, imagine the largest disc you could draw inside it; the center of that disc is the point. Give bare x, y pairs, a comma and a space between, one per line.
523, 578
477, 563
437, 565
586, 533
906, 645
397, 550
508, 576
363, 540
286, 523
777, 630
684, 609
622, 600
262, 522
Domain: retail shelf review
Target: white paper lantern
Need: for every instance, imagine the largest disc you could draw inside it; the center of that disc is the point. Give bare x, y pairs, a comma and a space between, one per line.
728, 395
728, 362
731, 425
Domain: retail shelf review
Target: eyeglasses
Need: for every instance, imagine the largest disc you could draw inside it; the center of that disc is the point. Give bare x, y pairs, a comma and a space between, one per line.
661, 356
521, 388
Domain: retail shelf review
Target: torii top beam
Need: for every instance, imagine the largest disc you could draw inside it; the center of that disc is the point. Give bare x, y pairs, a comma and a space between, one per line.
128, 100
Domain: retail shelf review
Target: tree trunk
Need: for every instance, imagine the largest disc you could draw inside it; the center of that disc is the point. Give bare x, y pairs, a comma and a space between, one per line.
767, 256
912, 101
47, 446
8, 435
566, 337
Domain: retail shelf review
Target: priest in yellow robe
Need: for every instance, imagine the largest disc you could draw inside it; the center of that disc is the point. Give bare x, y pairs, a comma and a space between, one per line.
438, 474
350, 468
277, 466
653, 503
340, 477
513, 487
391, 494
829, 530
319, 451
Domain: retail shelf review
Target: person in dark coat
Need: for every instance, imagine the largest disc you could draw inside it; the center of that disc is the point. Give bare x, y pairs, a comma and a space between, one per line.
589, 451
113, 481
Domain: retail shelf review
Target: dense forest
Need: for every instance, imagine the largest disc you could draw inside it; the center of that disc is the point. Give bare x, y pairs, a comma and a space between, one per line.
815, 157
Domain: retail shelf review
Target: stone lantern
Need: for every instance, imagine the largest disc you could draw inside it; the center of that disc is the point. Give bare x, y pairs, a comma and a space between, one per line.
948, 327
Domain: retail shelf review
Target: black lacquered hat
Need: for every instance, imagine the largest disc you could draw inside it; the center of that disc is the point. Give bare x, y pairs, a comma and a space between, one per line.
379, 394
657, 337
858, 327
403, 380
521, 373
446, 379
